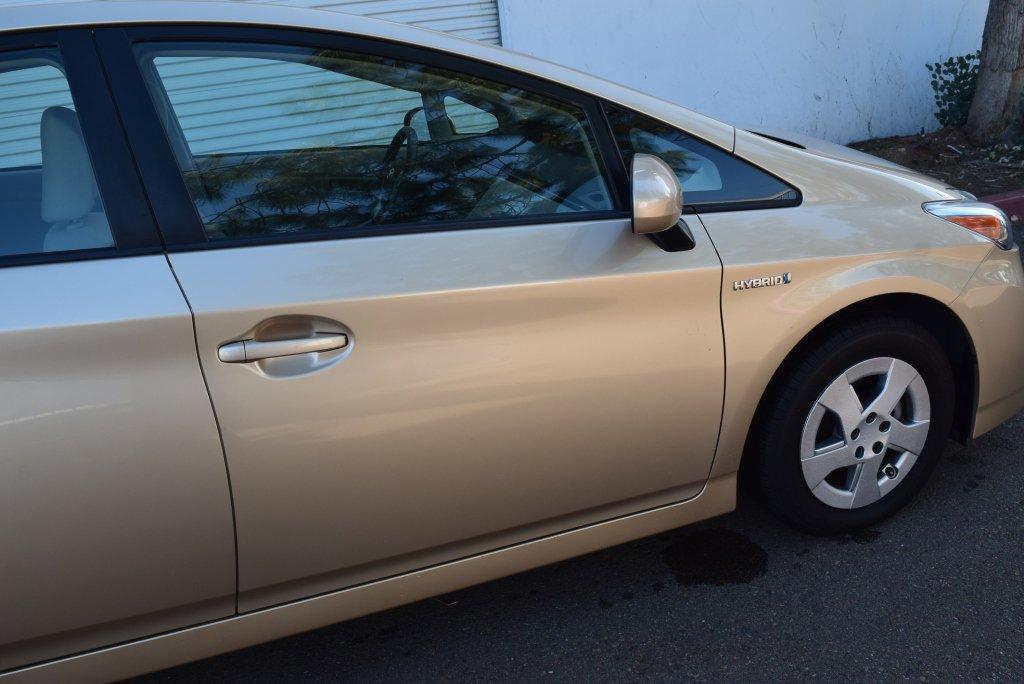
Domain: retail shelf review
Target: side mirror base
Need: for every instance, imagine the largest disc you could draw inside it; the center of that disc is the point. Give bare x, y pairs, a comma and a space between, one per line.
675, 239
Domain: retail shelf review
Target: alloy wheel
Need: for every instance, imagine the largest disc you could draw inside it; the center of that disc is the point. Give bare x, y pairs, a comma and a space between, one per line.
865, 432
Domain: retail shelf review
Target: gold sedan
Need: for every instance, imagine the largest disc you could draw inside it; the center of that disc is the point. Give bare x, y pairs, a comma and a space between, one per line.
309, 316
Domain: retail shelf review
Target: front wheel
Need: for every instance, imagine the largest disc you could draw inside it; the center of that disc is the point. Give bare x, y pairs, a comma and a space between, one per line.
853, 429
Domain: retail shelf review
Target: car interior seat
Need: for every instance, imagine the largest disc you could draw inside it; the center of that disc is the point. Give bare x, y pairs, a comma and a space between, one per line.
70, 197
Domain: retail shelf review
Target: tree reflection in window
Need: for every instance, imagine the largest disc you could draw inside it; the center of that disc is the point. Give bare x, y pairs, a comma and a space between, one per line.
539, 160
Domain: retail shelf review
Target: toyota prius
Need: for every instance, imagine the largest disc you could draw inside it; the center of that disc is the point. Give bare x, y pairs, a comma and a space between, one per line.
306, 316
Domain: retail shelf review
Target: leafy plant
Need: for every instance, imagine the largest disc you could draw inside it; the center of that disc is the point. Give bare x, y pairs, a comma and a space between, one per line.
954, 82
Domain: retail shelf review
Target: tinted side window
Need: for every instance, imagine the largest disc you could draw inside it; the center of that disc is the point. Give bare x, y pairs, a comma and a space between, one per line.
711, 178
466, 118
49, 200
279, 140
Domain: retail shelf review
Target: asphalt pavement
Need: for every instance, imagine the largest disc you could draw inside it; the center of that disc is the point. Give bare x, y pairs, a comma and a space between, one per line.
934, 594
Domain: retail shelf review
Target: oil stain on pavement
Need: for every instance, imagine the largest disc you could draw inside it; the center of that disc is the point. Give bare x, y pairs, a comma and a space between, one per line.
716, 556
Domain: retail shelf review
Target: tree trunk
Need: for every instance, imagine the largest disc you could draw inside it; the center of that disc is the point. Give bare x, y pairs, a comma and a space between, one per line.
996, 107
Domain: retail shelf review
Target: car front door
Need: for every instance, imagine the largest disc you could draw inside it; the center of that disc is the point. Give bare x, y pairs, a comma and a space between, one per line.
427, 328
115, 512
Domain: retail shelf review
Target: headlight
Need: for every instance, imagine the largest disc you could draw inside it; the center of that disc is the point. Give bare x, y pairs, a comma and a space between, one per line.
984, 219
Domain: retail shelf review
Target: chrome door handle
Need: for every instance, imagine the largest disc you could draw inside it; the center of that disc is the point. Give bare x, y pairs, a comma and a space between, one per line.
246, 351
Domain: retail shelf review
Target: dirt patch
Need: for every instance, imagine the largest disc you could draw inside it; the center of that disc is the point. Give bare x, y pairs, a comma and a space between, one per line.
947, 155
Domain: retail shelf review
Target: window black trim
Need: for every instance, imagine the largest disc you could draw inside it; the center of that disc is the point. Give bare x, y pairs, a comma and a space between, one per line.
613, 153
176, 214
713, 207
124, 202
717, 207
27, 40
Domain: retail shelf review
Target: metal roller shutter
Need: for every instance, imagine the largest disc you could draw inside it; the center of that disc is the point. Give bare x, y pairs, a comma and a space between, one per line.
19, 128
467, 19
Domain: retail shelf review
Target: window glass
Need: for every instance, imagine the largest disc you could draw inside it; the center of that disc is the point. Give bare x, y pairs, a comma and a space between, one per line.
709, 176
49, 200
231, 104
467, 119
283, 140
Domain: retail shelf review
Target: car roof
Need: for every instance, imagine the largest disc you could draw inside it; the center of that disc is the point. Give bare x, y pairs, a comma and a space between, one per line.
52, 15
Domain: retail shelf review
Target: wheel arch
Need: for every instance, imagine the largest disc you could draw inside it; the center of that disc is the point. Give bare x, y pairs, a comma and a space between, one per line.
941, 321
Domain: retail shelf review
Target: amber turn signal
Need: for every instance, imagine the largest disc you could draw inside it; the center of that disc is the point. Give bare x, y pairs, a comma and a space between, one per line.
989, 226
984, 219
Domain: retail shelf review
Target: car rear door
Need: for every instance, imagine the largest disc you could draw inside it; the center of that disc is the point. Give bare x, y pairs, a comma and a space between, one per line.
428, 332
115, 514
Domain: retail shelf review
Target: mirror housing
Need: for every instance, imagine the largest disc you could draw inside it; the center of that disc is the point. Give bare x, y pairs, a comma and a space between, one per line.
657, 195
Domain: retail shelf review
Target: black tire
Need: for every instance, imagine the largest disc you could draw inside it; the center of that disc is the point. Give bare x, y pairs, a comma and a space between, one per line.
776, 444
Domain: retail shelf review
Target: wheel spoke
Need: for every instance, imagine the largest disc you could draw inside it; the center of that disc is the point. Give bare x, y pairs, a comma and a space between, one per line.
909, 437
841, 399
865, 485
897, 380
824, 461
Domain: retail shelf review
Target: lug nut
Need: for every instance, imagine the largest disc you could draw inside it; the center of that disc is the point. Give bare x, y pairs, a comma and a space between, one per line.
884, 427
871, 417
877, 447
855, 434
859, 453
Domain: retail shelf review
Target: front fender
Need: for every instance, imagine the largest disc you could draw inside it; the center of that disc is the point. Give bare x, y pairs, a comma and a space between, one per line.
762, 325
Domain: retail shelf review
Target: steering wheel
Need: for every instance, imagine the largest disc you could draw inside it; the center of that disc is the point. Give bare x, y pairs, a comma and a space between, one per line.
392, 172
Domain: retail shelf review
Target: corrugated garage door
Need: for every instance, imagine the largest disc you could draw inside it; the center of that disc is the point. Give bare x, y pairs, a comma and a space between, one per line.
477, 20
22, 100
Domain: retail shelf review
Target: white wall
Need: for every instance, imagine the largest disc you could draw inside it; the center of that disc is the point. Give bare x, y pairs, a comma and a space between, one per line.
837, 69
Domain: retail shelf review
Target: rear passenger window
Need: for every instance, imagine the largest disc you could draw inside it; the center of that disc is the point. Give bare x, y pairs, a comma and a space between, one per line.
712, 179
49, 200
277, 140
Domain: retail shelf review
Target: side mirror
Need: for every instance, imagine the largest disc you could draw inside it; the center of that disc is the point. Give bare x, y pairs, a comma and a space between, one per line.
657, 195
